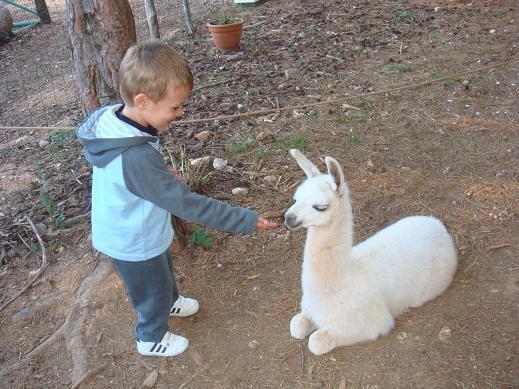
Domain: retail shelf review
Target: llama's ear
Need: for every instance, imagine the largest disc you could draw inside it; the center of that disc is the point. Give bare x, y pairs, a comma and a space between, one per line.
335, 171
308, 167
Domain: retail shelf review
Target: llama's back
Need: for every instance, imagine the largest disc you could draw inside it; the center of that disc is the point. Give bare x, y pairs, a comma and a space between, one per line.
412, 261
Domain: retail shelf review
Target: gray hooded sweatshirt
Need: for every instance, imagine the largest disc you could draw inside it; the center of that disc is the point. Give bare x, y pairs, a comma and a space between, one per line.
134, 193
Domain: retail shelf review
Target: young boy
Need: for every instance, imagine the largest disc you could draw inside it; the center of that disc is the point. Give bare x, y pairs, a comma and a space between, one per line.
134, 193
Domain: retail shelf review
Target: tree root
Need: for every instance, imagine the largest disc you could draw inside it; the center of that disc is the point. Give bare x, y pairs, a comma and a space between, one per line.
72, 328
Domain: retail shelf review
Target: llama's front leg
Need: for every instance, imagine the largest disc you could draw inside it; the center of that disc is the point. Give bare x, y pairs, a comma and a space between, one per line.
321, 342
301, 326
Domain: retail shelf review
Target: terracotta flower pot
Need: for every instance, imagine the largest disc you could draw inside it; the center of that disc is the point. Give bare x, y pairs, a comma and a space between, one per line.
226, 36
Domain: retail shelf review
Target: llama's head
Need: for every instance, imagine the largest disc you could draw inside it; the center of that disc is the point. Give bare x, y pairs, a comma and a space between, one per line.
319, 199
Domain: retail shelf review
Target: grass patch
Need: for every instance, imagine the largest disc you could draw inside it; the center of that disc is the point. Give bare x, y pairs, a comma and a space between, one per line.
57, 218
400, 68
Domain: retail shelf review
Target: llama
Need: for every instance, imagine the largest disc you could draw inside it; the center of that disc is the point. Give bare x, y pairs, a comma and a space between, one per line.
352, 294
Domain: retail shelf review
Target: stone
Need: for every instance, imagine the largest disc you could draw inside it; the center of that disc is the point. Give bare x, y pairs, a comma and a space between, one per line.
204, 136
240, 191
6, 22
263, 136
200, 162
445, 334
219, 164
43, 143
271, 180
151, 380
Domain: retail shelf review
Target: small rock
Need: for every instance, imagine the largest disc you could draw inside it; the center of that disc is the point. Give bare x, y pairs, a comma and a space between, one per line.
492, 31
43, 143
151, 380
253, 344
41, 228
271, 180
61, 250
200, 162
370, 165
219, 164
263, 136
204, 136
402, 336
466, 82
445, 333
240, 191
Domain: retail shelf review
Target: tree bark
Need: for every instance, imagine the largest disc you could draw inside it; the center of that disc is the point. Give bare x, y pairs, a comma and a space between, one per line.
151, 16
100, 32
42, 11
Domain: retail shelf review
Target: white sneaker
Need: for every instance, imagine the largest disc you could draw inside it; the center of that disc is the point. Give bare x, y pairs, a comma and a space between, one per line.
184, 306
170, 345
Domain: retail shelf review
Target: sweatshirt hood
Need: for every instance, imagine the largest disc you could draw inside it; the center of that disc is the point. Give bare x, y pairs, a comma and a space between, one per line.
104, 136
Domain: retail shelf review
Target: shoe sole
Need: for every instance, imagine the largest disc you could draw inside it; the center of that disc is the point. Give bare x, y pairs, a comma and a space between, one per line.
154, 354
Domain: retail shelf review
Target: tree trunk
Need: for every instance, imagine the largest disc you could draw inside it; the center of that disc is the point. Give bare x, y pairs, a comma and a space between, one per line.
42, 11
100, 32
151, 16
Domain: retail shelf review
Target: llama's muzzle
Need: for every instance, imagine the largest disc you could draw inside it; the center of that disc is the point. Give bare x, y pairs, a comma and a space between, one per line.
292, 222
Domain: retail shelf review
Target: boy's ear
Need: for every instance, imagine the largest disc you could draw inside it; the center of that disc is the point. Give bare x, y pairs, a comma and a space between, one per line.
141, 100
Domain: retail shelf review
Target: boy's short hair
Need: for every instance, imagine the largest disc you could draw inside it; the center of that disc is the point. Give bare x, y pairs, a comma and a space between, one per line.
150, 67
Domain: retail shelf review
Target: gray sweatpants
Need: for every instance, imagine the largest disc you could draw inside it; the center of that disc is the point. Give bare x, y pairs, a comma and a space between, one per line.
153, 290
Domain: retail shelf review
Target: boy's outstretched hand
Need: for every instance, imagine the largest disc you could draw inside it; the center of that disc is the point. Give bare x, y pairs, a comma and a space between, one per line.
264, 224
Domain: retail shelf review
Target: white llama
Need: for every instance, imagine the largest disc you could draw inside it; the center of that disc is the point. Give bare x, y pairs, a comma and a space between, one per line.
351, 294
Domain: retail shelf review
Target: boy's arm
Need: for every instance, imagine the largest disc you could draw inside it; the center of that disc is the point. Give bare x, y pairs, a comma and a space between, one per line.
147, 176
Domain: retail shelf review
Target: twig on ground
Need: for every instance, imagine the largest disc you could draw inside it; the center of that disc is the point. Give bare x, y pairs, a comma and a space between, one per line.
302, 358
499, 246
87, 377
37, 273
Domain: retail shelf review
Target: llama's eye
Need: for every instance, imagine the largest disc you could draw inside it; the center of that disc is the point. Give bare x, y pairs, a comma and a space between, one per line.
320, 208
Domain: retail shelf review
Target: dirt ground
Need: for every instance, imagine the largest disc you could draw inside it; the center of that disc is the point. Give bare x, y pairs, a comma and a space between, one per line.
448, 149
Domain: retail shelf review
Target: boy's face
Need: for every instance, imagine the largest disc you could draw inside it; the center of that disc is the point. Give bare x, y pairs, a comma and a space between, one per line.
160, 113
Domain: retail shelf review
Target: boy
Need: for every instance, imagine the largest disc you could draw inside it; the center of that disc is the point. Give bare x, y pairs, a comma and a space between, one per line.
134, 193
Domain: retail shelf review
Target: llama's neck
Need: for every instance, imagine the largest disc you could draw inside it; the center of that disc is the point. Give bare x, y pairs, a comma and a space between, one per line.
327, 260
331, 245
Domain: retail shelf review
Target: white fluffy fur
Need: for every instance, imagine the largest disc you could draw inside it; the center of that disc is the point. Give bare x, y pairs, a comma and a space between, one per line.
351, 294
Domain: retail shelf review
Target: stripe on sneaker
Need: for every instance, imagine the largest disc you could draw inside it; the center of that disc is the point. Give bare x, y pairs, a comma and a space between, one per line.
155, 345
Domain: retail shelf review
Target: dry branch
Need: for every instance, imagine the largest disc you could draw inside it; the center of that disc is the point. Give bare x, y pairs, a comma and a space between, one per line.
37, 273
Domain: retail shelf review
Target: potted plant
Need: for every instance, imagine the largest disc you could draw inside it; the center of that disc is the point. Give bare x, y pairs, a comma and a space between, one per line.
226, 32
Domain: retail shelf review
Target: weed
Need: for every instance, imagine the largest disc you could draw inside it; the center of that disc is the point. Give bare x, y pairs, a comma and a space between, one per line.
57, 218
312, 115
216, 73
200, 237
58, 154
259, 154
242, 147
451, 81
404, 15
59, 138
328, 61
354, 138
400, 68
346, 118
297, 142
